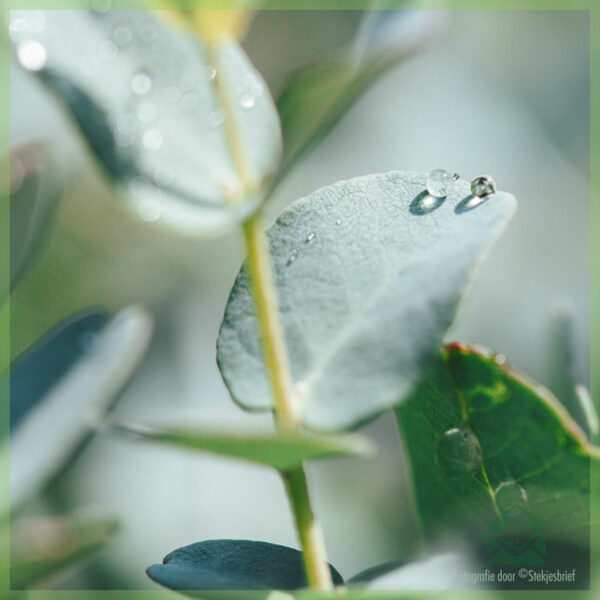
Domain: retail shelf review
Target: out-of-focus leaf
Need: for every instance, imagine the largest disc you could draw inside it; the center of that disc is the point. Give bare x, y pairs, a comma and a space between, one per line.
34, 187
210, 21
51, 433
492, 451
156, 108
438, 572
43, 547
316, 97
33, 374
283, 450
369, 273
566, 380
232, 565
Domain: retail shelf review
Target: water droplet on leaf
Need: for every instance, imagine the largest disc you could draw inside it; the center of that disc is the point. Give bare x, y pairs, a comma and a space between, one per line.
32, 55
311, 237
108, 50
458, 453
292, 257
216, 118
141, 83
152, 139
483, 186
247, 101
122, 36
510, 495
437, 183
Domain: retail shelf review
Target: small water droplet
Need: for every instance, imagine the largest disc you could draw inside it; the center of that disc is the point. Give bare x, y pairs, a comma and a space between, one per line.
150, 209
510, 495
455, 176
500, 359
122, 36
101, 6
311, 237
216, 118
208, 72
89, 65
458, 453
247, 101
141, 84
171, 94
147, 112
292, 257
108, 50
338, 222
437, 183
483, 186
32, 55
189, 102
152, 139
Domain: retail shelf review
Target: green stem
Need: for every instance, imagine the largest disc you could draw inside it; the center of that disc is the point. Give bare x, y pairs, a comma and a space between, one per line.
286, 413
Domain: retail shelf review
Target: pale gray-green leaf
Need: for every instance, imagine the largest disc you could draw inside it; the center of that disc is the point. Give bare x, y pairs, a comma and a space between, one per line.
50, 433
283, 450
146, 97
369, 274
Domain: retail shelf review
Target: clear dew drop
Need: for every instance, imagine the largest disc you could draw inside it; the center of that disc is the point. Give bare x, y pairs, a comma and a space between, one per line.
247, 101
483, 186
101, 6
32, 55
147, 112
458, 453
311, 237
208, 73
150, 209
500, 359
108, 50
152, 139
141, 84
510, 495
122, 36
216, 118
338, 222
437, 183
292, 257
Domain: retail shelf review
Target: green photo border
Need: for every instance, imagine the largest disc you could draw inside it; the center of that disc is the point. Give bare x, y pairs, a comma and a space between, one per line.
531, 5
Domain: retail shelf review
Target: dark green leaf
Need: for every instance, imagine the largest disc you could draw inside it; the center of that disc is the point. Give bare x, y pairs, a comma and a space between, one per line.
44, 547
369, 273
534, 459
283, 451
233, 565
152, 103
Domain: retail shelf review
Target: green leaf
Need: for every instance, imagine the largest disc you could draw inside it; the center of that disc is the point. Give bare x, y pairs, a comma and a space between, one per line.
484, 441
283, 451
54, 430
43, 547
316, 97
34, 190
566, 380
369, 273
232, 565
150, 102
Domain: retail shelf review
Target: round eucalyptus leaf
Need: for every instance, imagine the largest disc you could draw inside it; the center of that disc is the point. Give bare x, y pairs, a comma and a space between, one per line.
52, 431
233, 565
369, 274
154, 105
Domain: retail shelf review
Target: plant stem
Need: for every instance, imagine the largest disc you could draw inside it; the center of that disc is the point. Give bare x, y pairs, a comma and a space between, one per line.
286, 414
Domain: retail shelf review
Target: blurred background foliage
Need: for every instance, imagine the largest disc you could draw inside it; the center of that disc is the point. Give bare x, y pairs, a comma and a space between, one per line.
503, 92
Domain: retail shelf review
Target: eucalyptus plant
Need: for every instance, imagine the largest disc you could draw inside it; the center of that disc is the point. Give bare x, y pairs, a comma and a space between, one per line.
340, 310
